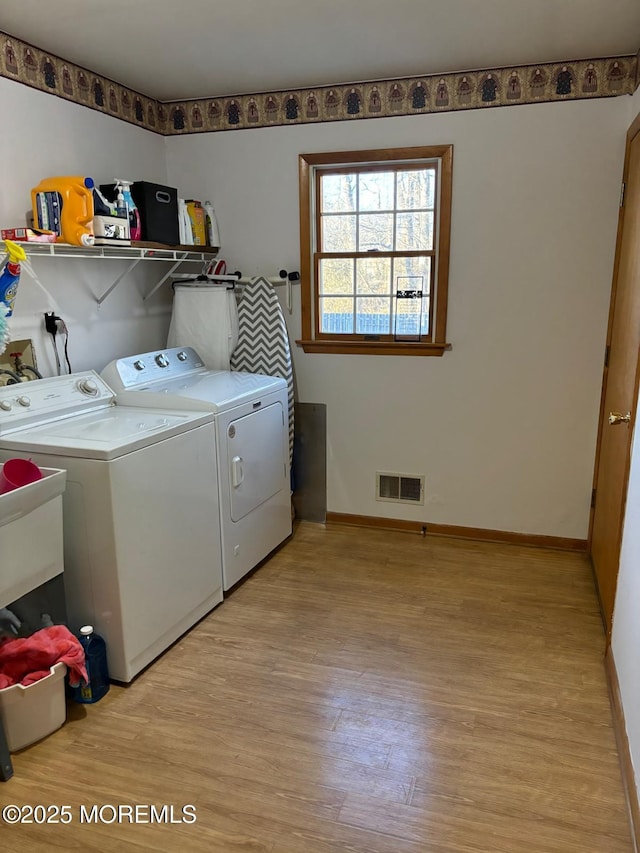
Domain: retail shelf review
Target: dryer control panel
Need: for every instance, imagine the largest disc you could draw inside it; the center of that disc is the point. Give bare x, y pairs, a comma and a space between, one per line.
134, 370
44, 400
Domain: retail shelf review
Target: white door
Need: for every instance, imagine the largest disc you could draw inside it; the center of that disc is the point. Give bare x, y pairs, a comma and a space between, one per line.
255, 458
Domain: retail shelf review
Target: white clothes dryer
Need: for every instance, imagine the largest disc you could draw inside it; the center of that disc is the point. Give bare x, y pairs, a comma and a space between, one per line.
141, 523
252, 430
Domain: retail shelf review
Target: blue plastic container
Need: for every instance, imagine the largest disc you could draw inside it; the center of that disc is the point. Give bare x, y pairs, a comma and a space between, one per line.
95, 652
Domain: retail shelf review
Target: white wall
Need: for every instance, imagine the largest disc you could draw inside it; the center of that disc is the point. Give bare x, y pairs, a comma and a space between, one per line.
46, 136
625, 639
504, 425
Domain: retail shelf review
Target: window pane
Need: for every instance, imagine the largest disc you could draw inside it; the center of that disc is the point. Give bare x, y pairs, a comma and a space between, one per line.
336, 276
412, 274
374, 316
373, 275
408, 318
416, 189
375, 232
376, 191
426, 303
338, 233
336, 315
337, 193
414, 231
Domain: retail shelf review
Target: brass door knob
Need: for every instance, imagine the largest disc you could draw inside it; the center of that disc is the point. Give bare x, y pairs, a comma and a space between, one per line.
616, 418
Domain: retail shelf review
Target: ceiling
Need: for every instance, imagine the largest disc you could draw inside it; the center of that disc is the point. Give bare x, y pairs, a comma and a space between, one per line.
201, 48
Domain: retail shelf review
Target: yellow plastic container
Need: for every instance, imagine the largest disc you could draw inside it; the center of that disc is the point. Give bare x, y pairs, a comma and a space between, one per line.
65, 205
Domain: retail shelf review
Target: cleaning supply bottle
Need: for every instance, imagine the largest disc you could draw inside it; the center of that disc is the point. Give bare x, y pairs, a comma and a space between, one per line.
213, 233
123, 188
95, 658
65, 205
121, 204
10, 276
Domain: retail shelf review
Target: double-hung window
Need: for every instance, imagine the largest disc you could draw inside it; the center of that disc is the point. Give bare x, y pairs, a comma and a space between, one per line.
374, 233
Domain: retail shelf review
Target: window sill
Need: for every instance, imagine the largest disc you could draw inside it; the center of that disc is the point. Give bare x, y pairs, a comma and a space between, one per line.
374, 347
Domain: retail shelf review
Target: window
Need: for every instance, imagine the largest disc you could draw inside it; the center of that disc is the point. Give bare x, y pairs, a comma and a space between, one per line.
374, 237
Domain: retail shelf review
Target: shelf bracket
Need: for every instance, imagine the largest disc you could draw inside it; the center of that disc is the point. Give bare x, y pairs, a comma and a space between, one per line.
159, 284
126, 272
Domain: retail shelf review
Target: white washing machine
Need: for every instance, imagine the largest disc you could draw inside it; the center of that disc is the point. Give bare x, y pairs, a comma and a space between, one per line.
142, 552
252, 428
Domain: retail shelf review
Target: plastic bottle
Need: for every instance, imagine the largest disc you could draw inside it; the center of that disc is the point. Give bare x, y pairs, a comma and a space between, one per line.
121, 205
95, 653
10, 276
184, 224
123, 188
65, 205
213, 233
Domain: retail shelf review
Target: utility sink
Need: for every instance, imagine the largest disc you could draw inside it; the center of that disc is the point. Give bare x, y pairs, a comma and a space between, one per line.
31, 550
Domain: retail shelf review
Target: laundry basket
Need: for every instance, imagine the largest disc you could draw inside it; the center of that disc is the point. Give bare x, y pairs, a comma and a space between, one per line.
33, 712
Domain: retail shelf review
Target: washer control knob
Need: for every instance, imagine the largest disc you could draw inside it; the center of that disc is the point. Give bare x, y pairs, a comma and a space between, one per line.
139, 364
88, 387
5, 405
182, 356
24, 401
162, 360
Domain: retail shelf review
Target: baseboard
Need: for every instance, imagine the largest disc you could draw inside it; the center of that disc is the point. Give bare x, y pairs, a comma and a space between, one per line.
478, 533
619, 726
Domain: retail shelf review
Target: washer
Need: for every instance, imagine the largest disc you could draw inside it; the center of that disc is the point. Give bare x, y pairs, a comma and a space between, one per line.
252, 425
141, 521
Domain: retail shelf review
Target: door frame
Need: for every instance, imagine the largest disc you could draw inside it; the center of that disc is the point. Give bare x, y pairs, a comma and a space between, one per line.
632, 132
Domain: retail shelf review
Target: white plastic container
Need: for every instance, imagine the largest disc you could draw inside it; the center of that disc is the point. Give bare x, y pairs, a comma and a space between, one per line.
213, 232
30, 713
31, 550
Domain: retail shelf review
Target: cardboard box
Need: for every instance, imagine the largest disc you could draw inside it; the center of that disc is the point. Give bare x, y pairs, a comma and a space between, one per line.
28, 235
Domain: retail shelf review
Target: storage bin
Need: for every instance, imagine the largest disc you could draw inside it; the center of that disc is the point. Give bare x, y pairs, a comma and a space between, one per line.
33, 712
31, 549
158, 206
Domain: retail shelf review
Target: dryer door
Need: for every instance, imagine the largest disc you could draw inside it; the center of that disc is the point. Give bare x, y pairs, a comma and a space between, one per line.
256, 463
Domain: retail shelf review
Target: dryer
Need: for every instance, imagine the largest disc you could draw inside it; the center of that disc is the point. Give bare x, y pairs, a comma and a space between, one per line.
141, 523
252, 426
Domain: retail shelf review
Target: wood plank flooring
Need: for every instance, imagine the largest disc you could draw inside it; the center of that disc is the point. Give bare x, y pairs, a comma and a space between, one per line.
363, 692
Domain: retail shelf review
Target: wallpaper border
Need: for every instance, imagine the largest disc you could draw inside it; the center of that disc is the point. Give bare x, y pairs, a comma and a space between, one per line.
427, 94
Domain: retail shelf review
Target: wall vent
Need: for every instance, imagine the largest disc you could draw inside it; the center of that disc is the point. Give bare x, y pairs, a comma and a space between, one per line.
400, 488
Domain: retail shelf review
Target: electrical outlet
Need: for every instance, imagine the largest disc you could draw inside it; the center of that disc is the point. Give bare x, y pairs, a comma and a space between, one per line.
51, 322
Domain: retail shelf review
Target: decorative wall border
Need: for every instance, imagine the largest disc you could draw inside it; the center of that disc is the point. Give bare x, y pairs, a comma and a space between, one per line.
430, 93
39, 69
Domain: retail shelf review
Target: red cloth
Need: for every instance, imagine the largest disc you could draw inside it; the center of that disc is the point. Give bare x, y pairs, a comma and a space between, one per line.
29, 659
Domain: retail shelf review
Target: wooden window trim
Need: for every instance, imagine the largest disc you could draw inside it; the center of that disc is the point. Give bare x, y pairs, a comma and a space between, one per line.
311, 340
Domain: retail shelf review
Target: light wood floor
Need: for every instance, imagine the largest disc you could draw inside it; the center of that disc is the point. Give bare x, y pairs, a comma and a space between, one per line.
363, 691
